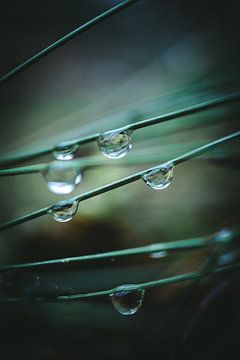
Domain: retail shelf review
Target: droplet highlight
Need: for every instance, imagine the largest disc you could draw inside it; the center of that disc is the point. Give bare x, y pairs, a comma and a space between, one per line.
227, 258
65, 151
115, 144
225, 247
158, 254
224, 236
127, 300
159, 178
62, 177
64, 210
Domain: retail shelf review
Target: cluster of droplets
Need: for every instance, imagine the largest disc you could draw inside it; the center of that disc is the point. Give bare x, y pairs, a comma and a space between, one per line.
127, 300
225, 247
64, 211
62, 177
115, 144
159, 178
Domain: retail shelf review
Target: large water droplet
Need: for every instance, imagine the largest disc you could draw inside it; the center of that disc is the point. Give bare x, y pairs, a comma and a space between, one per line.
159, 178
62, 177
115, 144
64, 210
127, 300
65, 151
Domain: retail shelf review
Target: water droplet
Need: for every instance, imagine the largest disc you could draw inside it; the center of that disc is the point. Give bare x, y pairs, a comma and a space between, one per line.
159, 178
127, 300
225, 247
65, 261
227, 258
62, 177
158, 254
64, 210
115, 144
65, 151
224, 236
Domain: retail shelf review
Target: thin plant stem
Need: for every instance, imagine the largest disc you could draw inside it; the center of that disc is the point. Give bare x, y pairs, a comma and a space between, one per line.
206, 269
60, 42
22, 170
189, 110
149, 284
149, 249
127, 180
205, 148
86, 163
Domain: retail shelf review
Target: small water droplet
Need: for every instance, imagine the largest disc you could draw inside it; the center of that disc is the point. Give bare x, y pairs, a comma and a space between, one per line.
65, 151
159, 178
158, 254
115, 144
65, 261
127, 300
224, 236
227, 258
224, 245
62, 177
64, 210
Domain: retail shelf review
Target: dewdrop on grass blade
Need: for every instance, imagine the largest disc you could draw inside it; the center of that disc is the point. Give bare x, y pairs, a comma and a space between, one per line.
127, 300
62, 177
158, 254
65, 151
115, 144
159, 178
64, 210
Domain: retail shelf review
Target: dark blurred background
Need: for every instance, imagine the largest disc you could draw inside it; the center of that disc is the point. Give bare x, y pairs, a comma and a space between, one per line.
154, 57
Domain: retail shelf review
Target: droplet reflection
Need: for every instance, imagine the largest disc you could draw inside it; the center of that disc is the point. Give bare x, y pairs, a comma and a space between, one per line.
159, 178
115, 144
127, 301
65, 151
64, 210
62, 177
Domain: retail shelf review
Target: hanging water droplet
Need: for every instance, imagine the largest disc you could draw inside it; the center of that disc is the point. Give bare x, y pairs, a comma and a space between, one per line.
158, 254
224, 236
225, 247
127, 300
159, 178
115, 144
227, 258
64, 210
65, 151
62, 177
